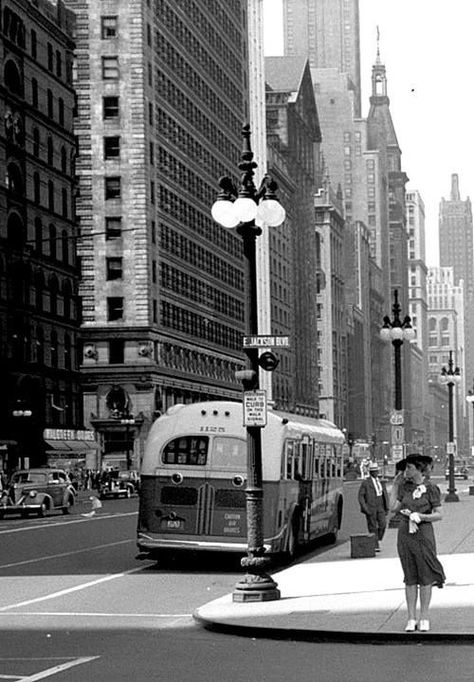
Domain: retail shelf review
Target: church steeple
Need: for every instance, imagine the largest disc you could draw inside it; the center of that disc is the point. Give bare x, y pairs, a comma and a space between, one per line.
379, 76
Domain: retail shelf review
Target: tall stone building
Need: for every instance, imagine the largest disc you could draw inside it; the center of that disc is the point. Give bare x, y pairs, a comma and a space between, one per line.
327, 32
456, 251
293, 127
39, 315
162, 95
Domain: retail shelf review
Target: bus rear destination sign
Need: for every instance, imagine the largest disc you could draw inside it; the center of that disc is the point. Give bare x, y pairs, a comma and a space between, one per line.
264, 341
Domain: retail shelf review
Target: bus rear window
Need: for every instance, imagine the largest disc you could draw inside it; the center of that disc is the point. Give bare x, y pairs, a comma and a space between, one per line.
187, 451
229, 453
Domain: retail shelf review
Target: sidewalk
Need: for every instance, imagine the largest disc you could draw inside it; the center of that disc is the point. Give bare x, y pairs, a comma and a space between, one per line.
332, 596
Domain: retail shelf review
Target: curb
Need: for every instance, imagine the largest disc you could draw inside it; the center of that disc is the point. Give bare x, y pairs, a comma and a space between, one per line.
303, 635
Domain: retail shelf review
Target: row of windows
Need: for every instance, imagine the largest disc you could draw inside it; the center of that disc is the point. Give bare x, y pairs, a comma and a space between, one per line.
50, 102
195, 325
178, 208
30, 290
197, 256
180, 138
195, 290
50, 151
305, 461
182, 68
39, 191
184, 177
183, 35
168, 91
34, 345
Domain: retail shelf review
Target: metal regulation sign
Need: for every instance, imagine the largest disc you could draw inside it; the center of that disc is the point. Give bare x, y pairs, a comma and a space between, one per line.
255, 408
262, 341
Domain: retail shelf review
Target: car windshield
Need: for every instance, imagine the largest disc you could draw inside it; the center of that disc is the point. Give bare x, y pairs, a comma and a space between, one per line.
29, 477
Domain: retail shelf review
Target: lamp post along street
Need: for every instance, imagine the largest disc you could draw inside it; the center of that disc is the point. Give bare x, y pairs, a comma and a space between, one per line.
470, 399
450, 377
245, 209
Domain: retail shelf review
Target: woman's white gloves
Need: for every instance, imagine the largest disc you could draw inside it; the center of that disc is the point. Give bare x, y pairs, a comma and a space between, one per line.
414, 520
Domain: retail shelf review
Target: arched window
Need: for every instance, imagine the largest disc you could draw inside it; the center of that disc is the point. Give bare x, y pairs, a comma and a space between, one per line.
54, 349
36, 142
50, 151
67, 351
53, 295
38, 235
67, 296
432, 324
63, 159
51, 195
52, 241
36, 188
39, 288
13, 79
16, 231
65, 246
14, 179
39, 346
444, 324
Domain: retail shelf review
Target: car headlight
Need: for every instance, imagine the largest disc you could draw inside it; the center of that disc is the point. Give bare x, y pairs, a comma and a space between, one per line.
32, 493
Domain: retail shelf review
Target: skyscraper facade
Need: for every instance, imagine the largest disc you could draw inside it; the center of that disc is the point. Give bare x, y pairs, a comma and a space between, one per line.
39, 316
162, 95
327, 32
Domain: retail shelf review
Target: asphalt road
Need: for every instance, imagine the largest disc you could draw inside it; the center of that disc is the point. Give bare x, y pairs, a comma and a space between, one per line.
75, 604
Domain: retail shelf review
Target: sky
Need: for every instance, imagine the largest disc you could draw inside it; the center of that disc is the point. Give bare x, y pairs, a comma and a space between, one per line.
427, 47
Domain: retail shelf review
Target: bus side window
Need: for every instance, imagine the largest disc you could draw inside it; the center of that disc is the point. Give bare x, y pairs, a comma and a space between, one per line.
298, 468
316, 470
289, 459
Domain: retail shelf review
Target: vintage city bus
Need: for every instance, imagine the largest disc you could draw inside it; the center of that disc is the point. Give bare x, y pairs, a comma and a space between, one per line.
193, 479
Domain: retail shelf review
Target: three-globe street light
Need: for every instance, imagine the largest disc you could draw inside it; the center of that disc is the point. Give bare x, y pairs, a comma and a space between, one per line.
450, 376
247, 209
397, 331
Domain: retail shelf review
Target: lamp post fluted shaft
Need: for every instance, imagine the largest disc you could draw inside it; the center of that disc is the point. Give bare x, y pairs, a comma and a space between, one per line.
450, 376
256, 585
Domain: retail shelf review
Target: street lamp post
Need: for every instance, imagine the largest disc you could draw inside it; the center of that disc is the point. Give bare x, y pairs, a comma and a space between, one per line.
23, 414
397, 331
470, 399
246, 209
450, 377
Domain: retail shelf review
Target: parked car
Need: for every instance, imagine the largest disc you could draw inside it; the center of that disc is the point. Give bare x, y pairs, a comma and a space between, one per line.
459, 472
113, 484
37, 491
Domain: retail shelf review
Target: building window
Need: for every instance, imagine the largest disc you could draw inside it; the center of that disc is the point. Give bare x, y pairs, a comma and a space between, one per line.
64, 202
110, 107
153, 232
112, 188
33, 43
116, 351
51, 196
50, 57
36, 188
111, 147
113, 228
61, 111
110, 68
109, 27
155, 310
59, 64
50, 150
114, 268
114, 308
36, 142
63, 160
38, 235
50, 103
34, 92
52, 241
153, 271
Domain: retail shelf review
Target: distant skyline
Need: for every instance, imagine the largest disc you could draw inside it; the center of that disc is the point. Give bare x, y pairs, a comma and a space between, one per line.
428, 49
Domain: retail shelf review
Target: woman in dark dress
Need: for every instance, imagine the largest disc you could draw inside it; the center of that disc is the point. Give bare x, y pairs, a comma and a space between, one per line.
419, 506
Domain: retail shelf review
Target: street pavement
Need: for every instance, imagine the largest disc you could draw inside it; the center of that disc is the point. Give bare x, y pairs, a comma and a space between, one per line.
332, 596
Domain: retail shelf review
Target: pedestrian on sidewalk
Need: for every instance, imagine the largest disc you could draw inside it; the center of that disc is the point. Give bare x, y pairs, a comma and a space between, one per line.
374, 503
419, 507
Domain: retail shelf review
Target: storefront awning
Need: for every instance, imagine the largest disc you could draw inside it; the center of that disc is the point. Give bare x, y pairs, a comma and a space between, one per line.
70, 446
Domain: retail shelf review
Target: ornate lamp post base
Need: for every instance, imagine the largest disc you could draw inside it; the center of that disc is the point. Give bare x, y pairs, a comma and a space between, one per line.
256, 584
451, 497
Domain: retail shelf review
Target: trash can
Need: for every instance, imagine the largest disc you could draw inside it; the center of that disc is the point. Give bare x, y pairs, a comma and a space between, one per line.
362, 546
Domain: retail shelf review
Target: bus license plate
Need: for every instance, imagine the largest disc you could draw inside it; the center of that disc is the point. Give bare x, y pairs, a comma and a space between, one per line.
174, 523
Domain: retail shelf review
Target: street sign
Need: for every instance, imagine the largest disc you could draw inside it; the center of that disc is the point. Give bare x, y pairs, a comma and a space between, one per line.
398, 435
397, 452
450, 448
263, 341
396, 418
255, 408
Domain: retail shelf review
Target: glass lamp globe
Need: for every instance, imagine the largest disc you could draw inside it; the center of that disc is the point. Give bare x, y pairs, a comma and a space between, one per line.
409, 333
443, 379
385, 334
457, 378
245, 209
271, 212
396, 333
224, 213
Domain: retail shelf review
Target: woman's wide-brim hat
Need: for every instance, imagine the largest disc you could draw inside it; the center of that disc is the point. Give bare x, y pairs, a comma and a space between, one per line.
419, 458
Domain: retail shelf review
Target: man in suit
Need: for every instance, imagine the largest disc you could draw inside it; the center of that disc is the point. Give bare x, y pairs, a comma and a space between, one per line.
374, 503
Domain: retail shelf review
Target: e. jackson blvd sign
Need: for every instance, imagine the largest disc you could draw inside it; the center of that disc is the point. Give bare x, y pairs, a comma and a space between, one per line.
264, 341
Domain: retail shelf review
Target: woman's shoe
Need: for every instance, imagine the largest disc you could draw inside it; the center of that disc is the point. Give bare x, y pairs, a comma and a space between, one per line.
411, 626
424, 626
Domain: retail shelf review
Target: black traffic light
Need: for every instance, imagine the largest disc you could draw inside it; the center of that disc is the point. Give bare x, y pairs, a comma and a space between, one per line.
268, 361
